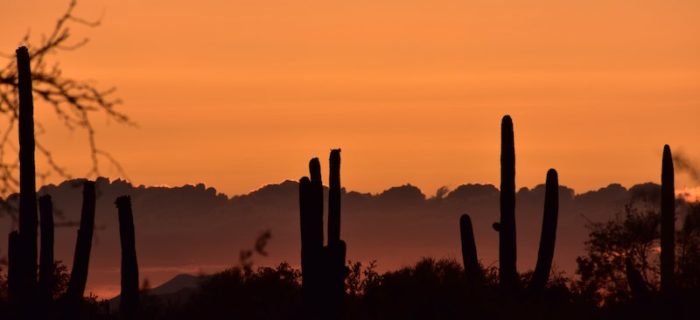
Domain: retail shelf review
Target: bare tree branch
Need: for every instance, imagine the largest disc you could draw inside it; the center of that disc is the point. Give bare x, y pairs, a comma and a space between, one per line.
73, 101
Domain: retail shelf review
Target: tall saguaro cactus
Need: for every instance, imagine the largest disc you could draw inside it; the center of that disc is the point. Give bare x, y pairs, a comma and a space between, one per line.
129, 297
668, 220
507, 253
508, 274
323, 268
28, 219
46, 267
83, 245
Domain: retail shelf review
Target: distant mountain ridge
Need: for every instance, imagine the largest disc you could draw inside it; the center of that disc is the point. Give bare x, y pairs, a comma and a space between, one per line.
194, 229
176, 290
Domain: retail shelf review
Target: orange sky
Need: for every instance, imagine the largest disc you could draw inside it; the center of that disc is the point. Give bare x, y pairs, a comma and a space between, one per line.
238, 94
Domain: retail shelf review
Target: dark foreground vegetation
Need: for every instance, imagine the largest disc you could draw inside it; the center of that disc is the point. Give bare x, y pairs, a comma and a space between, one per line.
430, 289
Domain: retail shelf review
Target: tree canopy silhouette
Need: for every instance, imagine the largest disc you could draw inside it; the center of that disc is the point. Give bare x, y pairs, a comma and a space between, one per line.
631, 240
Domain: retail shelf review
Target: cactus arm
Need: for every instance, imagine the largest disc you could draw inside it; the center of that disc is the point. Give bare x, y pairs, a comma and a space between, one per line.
316, 202
334, 198
83, 245
470, 258
545, 254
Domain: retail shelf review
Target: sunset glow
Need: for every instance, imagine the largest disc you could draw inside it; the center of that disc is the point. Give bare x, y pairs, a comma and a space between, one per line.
238, 94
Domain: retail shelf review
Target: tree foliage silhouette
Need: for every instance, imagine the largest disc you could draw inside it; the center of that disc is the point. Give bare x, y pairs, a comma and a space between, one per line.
622, 259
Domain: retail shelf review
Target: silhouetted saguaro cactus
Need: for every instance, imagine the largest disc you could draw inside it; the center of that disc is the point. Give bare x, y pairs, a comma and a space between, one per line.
81, 258
46, 267
507, 253
508, 273
545, 254
129, 297
28, 219
668, 220
470, 258
323, 268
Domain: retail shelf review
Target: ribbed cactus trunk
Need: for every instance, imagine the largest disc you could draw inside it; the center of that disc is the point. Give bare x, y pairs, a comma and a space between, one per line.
334, 198
668, 220
470, 258
46, 267
309, 244
129, 298
316, 205
28, 219
13, 266
81, 258
336, 247
545, 255
507, 254
311, 223
323, 268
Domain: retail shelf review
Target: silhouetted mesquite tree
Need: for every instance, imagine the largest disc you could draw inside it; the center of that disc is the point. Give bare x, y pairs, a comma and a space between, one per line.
46, 266
668, 220
508, 275
81, 258
640, 290
129, 297
323, 268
